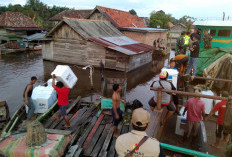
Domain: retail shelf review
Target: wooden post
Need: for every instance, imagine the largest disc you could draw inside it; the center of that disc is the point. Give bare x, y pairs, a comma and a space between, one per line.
159, 98
190, 94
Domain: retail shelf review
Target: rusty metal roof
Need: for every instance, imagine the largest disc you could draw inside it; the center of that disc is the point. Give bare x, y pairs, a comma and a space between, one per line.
123, 44
142, 29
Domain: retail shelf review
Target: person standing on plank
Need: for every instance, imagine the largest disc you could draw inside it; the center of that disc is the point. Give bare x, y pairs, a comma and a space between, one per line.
194, 54
221, 108
27, 98
62, 100
195, 108
116, 112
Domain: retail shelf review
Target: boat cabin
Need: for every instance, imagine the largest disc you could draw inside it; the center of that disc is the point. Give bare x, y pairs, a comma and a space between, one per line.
221, 31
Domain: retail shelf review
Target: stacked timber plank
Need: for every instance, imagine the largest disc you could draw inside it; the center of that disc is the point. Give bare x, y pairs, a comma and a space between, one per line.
97, 140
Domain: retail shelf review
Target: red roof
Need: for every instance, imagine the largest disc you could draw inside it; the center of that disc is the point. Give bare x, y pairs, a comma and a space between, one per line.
79, 14
122, 18
16, 20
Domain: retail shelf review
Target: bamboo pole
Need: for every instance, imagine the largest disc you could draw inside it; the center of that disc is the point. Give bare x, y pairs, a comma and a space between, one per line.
159, 98
212, 79
189, 94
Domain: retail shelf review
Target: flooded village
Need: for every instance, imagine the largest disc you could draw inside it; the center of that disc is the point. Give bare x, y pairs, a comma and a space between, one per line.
107, 82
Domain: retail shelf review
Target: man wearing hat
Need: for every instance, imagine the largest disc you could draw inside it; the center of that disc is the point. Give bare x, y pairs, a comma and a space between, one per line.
180, 44
166, 99
195, 108
127, 142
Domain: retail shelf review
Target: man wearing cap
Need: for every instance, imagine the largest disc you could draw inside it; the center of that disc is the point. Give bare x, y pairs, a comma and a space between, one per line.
180, 44
127, 142
195, 108
166, 99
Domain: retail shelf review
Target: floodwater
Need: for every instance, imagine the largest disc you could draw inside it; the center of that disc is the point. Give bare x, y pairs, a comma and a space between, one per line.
16, 70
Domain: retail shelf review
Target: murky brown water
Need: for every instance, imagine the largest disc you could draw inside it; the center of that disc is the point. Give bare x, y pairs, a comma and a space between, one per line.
16, 70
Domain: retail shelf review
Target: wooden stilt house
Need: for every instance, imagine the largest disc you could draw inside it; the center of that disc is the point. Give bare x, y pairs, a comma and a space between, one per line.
90, 42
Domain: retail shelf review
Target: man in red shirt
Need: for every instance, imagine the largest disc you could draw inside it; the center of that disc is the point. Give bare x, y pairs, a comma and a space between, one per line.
195, 108
221, 108
62, 99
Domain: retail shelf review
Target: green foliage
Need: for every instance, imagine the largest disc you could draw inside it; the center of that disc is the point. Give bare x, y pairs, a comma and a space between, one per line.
159, 18
132, 12
36, 10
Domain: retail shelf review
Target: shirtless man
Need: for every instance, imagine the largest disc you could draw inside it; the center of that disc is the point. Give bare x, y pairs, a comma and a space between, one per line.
116, 112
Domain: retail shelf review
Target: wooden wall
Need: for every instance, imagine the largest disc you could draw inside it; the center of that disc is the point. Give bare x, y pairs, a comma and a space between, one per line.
116, 60
139, 60
66, 32
98, 16
79, 52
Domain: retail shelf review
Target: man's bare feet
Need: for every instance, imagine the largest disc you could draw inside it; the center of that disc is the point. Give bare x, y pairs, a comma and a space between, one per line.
215, 146
32, 118
57, 118
66, 126
116, 135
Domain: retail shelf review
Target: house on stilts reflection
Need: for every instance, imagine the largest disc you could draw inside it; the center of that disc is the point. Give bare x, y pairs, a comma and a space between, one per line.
90, 42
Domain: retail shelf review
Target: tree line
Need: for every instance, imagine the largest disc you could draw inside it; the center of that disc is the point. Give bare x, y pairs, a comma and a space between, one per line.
36, 10
161, 19
40, 13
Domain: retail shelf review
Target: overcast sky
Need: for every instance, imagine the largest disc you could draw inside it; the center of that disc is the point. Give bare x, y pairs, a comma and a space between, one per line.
178, 8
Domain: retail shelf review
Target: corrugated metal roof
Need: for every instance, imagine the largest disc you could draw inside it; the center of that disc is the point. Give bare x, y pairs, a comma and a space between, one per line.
36, 36
214, 23
128, 47
140, 29
121, 40
90, 28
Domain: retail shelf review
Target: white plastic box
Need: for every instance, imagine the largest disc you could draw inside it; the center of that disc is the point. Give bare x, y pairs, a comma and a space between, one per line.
181, 122
208, 102
43, 98
172, 75
65, 74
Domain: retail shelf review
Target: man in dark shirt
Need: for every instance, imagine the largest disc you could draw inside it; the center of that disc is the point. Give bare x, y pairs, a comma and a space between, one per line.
194, 53
27, 98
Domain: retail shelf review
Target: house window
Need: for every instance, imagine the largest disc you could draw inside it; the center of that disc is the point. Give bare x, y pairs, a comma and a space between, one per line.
213, 32
224, 33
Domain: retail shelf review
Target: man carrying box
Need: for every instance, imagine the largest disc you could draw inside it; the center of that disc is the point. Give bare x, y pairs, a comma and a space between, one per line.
62, 99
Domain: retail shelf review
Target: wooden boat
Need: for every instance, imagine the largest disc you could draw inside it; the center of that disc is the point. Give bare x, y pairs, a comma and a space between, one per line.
17, 126
4, 114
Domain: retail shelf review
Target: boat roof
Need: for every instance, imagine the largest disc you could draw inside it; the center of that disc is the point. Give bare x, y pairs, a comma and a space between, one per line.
214, 23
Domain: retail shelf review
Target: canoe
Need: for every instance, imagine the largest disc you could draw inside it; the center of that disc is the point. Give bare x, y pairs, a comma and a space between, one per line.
19, 117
